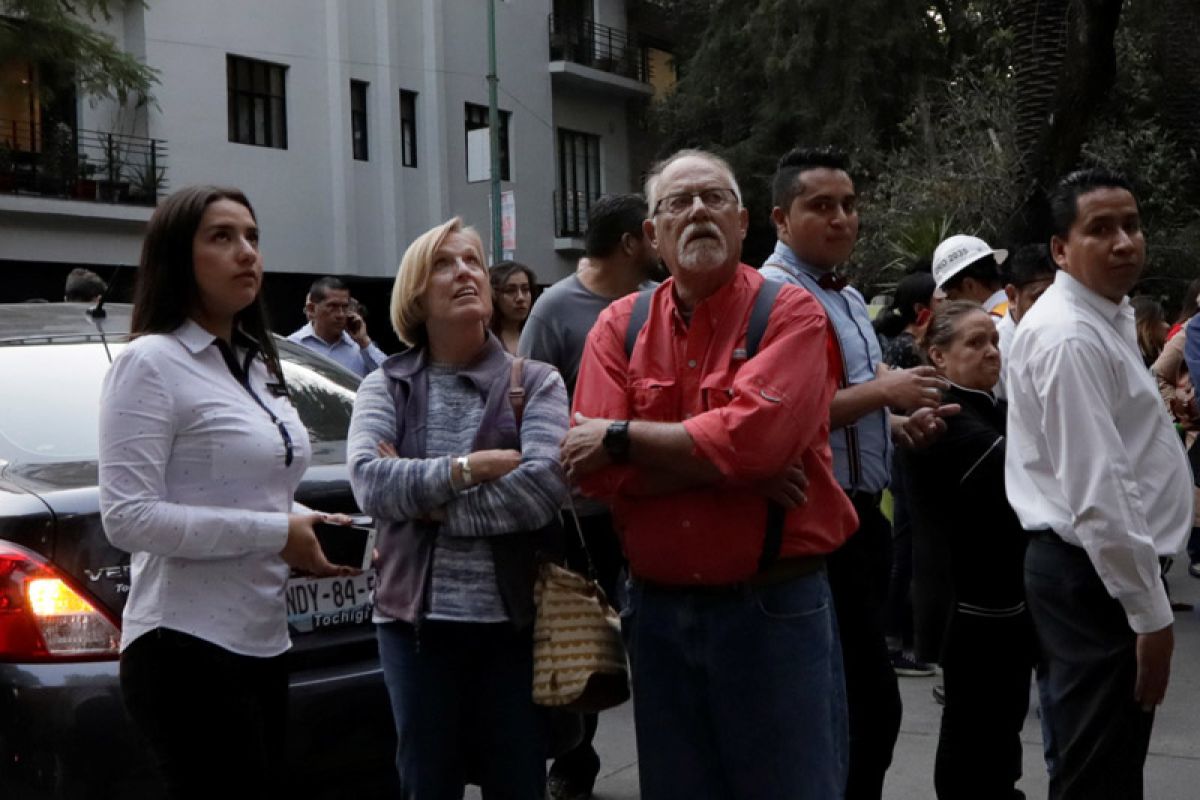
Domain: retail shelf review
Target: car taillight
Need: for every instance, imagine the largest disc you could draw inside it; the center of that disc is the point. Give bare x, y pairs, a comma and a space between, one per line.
43, 617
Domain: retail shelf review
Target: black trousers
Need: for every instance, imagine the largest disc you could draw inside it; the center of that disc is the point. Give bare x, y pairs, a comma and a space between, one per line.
1098, 734
899, 608
580, 765
215, 720
859, 573
989, 661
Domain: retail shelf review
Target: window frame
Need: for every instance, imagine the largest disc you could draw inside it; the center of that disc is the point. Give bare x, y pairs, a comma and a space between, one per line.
408, 128
359, 120
268, 96
572, 216
475, 117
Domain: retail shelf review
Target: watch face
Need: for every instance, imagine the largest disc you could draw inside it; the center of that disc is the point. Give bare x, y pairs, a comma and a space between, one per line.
616, 441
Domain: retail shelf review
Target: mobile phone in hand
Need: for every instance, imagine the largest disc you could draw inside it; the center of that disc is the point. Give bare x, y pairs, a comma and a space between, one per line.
346, 545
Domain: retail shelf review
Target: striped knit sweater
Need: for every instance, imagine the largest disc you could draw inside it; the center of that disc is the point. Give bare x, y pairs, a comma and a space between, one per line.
463, 580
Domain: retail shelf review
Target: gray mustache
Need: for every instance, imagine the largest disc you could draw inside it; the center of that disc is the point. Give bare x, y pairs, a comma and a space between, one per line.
700, 229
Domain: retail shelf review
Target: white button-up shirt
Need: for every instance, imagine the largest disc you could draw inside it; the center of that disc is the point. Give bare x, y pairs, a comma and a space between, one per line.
1007, 328
1092, 454
362, 361
193, 482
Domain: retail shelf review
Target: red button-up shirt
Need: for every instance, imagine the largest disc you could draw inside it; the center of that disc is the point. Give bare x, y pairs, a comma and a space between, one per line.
750, 418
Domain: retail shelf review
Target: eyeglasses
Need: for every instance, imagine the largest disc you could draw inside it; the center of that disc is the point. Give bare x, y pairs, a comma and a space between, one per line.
517, 291
713, 199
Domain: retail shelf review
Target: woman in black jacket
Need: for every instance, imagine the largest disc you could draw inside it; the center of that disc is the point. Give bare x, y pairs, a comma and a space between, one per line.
958, 493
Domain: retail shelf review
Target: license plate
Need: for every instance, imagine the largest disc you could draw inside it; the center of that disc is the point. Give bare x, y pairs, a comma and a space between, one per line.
319, 603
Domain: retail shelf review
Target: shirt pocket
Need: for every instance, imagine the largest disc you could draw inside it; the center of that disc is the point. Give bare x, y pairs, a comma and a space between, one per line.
655, 399
716, 390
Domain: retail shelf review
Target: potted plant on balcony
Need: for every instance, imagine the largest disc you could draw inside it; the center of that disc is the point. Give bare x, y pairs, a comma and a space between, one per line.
147, 181
84, 187
113, 187
57, 160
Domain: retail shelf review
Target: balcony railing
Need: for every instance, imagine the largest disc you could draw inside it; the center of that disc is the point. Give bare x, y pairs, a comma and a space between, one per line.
571, 210
591, 44
58, 161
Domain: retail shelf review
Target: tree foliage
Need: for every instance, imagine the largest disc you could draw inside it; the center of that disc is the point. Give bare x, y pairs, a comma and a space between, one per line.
57, 32
958, 113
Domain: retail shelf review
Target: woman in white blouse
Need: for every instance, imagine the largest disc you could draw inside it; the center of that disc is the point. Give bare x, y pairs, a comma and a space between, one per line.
200, 453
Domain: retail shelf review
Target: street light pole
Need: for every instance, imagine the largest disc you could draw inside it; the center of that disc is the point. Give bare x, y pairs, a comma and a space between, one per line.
494, 135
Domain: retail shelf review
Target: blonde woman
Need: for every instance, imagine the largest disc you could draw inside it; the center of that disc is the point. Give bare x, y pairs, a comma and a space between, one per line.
459, 489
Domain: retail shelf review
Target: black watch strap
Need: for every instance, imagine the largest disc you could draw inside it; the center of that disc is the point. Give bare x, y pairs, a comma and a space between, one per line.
616, 441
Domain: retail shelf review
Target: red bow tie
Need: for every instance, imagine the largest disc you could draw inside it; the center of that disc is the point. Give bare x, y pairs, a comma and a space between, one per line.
832, 281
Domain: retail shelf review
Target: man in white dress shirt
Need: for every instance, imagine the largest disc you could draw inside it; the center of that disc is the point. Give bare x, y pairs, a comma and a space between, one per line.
1097, 475
336, 330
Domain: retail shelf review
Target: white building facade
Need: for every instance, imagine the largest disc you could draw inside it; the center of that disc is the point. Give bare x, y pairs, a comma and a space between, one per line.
345, 122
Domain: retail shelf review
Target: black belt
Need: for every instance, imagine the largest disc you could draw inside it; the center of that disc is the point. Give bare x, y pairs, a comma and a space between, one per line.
1050, 537
859, 497
779, 571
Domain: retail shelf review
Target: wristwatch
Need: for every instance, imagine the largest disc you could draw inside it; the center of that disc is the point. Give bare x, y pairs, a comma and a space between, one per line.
616, 441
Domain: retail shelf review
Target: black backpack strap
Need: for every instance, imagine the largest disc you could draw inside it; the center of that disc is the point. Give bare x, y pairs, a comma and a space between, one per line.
760, 315
637, 320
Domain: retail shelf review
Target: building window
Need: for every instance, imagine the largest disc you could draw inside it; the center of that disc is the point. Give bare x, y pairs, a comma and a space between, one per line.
578, 180
408, 128
257, 105
358, 119
476, 118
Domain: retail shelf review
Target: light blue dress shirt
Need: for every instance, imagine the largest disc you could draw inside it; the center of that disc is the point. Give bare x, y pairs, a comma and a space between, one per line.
862, 450
362, 361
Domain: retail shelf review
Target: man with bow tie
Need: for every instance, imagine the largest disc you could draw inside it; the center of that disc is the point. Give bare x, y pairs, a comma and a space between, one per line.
816, 221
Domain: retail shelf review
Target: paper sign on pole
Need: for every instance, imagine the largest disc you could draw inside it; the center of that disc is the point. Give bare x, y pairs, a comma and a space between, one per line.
479, 155
508, 223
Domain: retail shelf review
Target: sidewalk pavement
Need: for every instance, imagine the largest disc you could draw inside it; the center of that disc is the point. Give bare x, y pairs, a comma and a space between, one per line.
1172, 768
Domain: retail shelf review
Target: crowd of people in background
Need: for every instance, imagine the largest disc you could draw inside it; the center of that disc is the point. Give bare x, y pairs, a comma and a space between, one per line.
792, 503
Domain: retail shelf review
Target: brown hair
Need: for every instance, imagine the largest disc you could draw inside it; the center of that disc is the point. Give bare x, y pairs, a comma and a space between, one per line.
498, 275
166, 292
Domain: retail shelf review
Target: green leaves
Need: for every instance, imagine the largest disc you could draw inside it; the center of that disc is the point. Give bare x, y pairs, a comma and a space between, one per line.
61, 32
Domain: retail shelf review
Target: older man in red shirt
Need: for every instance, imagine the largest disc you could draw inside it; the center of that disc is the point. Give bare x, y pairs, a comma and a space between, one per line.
738, 688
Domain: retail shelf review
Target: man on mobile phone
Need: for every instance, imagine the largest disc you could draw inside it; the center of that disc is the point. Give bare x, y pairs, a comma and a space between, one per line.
336, 330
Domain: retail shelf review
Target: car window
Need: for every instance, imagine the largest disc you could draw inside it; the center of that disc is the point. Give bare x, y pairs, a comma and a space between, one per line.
323, 394
50, 397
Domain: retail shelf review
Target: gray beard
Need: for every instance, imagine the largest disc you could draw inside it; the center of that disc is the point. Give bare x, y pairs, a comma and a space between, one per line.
705, 253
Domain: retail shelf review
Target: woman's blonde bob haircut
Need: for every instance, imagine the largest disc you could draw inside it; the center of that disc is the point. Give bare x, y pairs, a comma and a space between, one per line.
408, 316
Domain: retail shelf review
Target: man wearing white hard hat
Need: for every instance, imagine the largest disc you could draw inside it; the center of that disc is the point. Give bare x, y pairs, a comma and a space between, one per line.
967, 268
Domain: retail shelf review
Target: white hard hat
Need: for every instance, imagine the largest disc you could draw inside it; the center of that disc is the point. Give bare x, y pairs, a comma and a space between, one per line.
959, 252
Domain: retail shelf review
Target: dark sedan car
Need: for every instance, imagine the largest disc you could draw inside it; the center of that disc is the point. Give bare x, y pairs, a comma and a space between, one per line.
63, 730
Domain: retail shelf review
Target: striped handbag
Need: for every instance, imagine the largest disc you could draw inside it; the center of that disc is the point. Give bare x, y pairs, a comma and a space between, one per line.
578, 656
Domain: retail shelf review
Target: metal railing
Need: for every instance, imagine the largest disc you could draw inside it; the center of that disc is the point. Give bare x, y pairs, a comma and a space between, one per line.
582, 41
58, 161
571, 211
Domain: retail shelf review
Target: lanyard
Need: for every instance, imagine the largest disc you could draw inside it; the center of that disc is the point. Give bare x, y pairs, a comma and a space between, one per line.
242, 373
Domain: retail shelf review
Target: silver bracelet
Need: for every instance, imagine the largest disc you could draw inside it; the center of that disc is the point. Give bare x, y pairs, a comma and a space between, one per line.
464, 467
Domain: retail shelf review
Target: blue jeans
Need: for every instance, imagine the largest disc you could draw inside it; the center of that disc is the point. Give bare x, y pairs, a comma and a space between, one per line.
738, 694
462, 698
